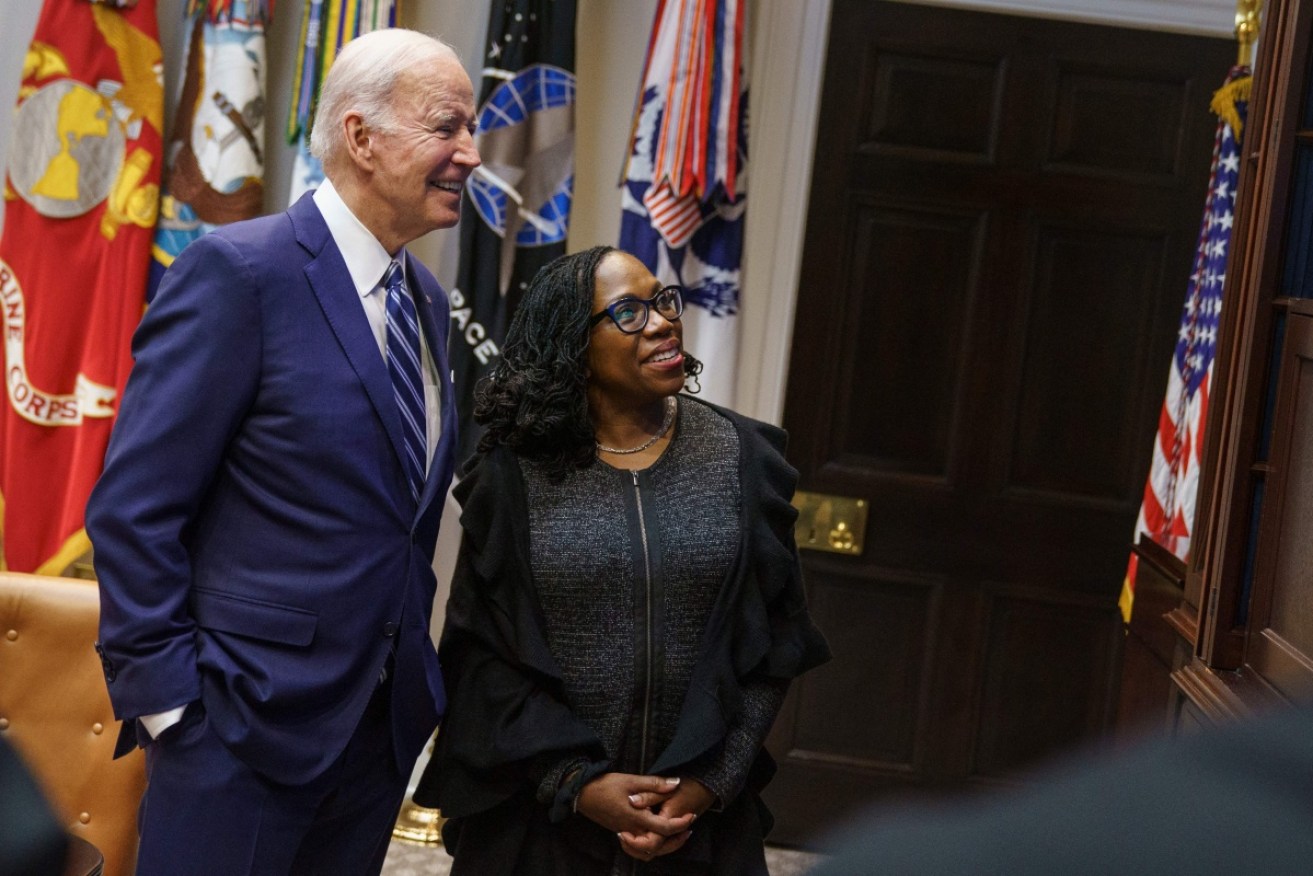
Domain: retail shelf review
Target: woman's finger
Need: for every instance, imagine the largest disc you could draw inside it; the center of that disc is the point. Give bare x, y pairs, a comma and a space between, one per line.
647, 799
673, 843
654, 784
663, 825
642, 846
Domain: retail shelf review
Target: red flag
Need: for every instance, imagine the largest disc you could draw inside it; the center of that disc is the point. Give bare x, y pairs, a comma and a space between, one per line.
81, 198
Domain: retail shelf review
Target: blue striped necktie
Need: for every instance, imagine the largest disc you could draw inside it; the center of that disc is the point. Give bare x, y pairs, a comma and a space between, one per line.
407, 385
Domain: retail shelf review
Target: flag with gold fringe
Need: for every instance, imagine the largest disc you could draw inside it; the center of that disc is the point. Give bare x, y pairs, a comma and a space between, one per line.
214, 172
326, 26
683, 192
81, 195
1167, 512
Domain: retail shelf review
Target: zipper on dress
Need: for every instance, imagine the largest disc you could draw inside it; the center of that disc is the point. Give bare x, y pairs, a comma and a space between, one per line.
647, 624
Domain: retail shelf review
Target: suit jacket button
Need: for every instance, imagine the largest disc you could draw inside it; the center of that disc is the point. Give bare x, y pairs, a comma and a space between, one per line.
389, 630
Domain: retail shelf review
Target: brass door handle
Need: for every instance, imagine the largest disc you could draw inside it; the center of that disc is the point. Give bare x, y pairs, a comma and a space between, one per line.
830, 523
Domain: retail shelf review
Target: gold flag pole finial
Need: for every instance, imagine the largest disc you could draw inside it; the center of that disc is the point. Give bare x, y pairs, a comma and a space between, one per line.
1246, 29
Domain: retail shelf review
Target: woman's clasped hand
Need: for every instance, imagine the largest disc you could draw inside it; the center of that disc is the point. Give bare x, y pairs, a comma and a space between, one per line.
651, 815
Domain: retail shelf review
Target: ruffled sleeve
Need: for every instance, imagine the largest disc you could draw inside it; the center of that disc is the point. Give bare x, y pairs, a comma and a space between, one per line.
778, 638
760, 629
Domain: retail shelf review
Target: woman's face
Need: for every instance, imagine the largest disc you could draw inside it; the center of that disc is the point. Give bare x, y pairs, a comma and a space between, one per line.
643, 366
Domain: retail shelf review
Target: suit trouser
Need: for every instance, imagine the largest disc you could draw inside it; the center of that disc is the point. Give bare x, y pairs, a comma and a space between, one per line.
205, 813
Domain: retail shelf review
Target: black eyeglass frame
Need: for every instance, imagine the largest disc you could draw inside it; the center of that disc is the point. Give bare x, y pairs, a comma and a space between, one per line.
648, 306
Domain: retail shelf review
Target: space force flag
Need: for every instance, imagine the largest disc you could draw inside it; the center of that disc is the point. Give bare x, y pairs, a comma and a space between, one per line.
81, 195
683, 187
518, 212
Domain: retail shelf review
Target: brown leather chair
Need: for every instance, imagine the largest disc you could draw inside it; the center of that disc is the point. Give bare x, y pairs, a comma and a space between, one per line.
55, 711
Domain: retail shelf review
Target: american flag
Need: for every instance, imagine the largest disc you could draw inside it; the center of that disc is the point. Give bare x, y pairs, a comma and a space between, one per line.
1167, 513
684, 197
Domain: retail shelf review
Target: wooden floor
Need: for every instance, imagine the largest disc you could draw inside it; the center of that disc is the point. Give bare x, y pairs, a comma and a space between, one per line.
411, 859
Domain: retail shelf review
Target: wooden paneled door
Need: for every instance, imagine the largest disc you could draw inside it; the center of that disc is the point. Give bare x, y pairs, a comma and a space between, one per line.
1001, 227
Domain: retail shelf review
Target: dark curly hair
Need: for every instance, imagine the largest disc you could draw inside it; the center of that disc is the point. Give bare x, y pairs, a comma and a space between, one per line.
535, 399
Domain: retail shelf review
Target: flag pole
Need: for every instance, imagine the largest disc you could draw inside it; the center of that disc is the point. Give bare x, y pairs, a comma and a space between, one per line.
1246, 29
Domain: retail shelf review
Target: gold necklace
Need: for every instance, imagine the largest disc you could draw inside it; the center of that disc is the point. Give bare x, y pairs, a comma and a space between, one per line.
666, 421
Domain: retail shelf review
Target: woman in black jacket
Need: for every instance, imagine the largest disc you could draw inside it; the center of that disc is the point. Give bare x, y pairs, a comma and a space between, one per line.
627, 608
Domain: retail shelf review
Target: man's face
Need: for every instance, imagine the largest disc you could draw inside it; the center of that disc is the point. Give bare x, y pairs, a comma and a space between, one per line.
421, 168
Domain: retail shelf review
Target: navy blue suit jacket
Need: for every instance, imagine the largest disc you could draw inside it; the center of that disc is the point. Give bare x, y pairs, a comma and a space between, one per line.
255, 538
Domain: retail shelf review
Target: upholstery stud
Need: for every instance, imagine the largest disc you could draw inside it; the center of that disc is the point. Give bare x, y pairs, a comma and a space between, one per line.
98, 728
4, 723
84, 817
12, 635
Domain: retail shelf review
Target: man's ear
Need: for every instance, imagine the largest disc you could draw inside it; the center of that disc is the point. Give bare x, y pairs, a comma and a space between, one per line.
359, 140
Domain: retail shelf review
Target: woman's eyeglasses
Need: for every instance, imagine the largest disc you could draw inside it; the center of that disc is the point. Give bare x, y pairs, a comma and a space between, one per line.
630, 314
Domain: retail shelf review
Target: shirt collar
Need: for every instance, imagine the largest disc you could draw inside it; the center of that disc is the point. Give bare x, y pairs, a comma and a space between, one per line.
365, 257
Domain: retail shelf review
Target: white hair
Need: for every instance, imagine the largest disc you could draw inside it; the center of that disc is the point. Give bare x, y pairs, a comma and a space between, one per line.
362, 80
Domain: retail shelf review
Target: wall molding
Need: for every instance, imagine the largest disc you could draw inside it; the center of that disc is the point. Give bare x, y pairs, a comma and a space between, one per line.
1205, 17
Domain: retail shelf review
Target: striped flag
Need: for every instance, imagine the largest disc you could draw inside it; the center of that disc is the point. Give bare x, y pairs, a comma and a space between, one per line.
326, 26
683, 186
215, 171
1167, 513
80, 205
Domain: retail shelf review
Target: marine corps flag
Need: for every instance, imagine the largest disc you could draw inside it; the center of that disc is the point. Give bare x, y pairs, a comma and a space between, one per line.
80, 202
520, 197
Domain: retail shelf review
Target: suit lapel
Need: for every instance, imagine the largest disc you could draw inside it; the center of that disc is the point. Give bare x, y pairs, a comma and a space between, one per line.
331, 282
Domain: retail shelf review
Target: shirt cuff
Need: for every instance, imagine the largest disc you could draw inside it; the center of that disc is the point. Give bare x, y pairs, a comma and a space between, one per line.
158, 723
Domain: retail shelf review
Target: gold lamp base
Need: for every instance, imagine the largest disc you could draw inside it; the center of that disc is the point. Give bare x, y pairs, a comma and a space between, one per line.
418, 824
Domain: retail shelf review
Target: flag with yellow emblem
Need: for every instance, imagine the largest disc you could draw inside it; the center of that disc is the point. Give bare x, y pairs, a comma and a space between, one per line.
80, 200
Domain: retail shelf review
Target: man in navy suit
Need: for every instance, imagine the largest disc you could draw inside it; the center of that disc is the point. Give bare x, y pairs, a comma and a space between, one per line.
265, 525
